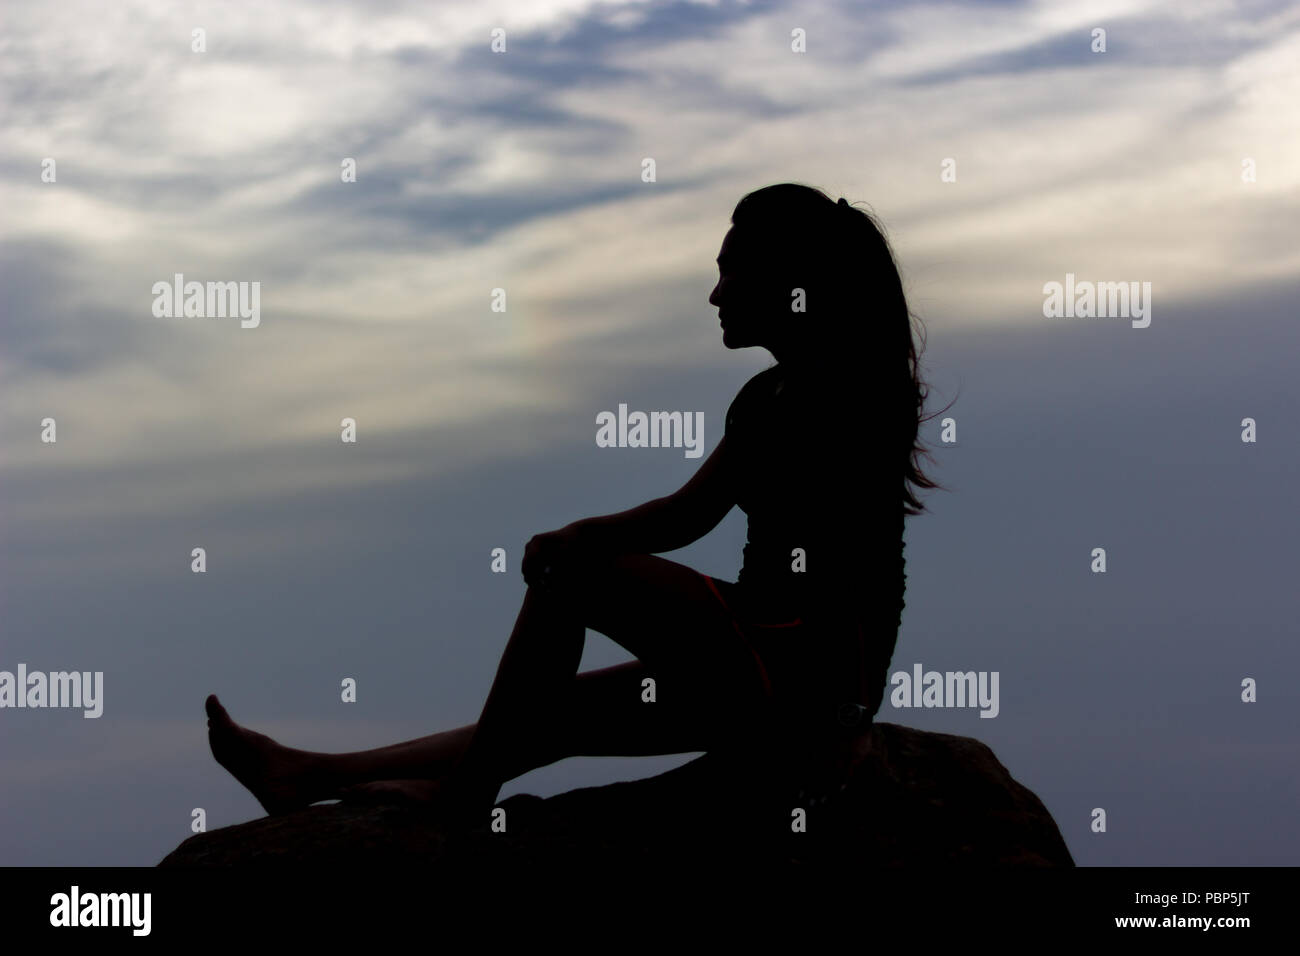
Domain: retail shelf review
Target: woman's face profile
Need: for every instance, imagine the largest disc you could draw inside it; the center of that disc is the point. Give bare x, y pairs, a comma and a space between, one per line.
744, 296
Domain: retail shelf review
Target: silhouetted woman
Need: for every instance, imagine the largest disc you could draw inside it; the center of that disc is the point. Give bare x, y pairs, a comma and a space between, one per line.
820, 452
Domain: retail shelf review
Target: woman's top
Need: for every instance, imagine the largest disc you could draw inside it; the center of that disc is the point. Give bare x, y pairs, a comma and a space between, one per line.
812, 473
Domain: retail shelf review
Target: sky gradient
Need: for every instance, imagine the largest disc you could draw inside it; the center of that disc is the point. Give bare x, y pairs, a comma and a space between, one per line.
522, 170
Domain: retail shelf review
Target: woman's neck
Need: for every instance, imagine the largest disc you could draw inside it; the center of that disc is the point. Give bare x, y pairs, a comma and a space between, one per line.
797, 367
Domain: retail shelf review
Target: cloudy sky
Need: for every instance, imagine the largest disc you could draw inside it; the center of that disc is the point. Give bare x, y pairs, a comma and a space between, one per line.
1173, 157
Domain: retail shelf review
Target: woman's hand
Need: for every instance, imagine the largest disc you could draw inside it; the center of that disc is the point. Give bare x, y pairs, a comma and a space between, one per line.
545, 553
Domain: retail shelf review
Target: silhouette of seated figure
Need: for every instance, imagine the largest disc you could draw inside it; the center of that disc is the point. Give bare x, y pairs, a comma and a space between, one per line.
819, 451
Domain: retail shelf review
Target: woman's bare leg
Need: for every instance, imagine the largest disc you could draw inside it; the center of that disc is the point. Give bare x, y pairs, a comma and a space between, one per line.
538, 711
661, 611
284, 778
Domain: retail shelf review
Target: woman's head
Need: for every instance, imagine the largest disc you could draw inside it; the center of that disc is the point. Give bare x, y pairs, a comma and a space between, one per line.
814, 281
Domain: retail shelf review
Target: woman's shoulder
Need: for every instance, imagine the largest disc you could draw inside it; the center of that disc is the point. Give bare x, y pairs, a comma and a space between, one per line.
764, 384
767, 379
768, 382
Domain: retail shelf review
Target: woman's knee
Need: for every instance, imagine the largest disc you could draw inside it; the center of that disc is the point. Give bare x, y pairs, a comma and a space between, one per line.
580, 581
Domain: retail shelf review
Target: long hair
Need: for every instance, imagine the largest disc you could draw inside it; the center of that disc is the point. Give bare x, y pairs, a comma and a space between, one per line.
854, 326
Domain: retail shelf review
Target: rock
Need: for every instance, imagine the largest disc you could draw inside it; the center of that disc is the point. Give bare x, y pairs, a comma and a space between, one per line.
889, 796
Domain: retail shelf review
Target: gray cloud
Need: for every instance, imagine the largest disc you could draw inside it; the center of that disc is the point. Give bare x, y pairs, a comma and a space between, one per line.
522, 171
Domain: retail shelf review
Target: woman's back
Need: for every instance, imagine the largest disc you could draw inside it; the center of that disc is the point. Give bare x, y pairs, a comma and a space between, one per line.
809, 475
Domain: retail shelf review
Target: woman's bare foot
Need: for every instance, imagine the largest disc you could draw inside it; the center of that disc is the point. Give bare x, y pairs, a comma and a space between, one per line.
277, 776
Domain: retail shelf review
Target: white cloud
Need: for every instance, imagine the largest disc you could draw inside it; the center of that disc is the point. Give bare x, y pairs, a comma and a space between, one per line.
375, 295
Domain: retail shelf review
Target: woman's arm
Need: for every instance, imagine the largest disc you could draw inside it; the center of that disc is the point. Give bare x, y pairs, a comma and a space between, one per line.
668, 523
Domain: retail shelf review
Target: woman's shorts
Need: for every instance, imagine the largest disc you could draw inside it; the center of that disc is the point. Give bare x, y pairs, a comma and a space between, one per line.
753, 629
788, 654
